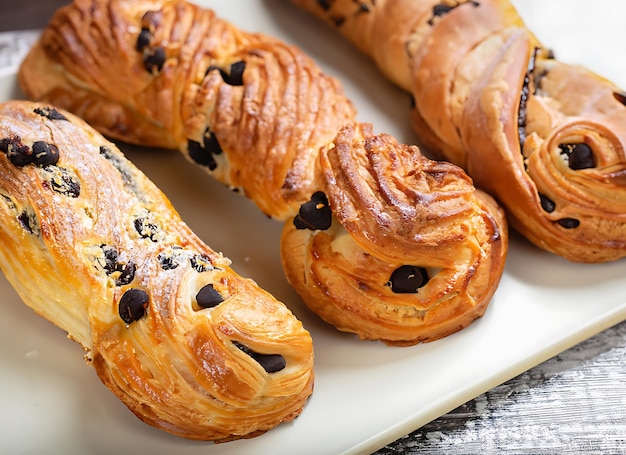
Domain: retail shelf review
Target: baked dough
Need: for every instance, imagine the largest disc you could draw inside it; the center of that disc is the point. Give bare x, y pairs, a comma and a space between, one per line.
411, 251
545, 138
90, 244
256, 113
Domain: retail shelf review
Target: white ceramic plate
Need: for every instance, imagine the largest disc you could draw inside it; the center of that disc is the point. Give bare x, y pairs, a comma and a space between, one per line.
366, 394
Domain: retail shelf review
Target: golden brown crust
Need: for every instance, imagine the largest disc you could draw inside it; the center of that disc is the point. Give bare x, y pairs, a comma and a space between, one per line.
82, 235
88, 62
267, 119
490, 98
396, 210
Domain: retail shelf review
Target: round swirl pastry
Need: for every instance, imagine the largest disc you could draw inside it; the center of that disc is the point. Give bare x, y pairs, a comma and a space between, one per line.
396, 247
90, 244
256, 113
545, 138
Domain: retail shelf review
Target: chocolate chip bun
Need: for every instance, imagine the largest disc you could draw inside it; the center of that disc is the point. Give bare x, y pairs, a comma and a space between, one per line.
545, 138
90, 244
256, 114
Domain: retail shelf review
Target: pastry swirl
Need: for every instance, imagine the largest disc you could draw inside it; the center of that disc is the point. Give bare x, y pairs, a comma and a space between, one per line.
543, 137
91, 244
261, 117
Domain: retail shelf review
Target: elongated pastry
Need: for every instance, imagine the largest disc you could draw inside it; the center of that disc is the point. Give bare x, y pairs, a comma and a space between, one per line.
545, 138
411, 251
90, 244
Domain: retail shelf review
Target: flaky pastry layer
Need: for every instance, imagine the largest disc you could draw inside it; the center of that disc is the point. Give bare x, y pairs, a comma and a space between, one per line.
261, 117
91, 244
546, 139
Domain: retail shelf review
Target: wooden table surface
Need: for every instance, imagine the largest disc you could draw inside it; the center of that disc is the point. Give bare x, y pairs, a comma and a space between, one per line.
574, 403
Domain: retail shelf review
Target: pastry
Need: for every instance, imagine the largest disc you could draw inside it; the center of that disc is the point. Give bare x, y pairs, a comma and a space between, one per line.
262, 118
543, 137
91, 244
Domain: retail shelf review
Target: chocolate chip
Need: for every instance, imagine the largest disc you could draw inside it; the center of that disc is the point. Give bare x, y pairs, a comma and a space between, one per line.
19, 155
442, 9
50, 113
337, 19
546, 203
154, 59
234, 76
407, 279
581, 157
200, 263
167, 262
271, 363
110, 258
314, 214
127, 274
62, 181
146, 229
569, 223
45, 154
208, 297
236, 73
324, 4
204, 154
29, 222
143, 40
133, 305
4, 144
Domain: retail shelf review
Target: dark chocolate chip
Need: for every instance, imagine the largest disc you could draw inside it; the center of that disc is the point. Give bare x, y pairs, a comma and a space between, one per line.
324, 4
112, 265
110, 258
271, 363
234, 76
63, 182
407, 279
337, 19
314, 214
200, 263
127, 274
146, 229
569, 223
133, 305
167, 262
208, 297
4, 144
199, 155
546, 203
143, 40
28, 220
19, 155
581, 157
50, 113
236, 73
45, 154
204, 154
154, 59
441, 9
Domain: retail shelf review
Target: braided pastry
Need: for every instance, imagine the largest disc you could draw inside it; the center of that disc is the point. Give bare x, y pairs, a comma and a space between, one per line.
545, 138
390, 246
92, 245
